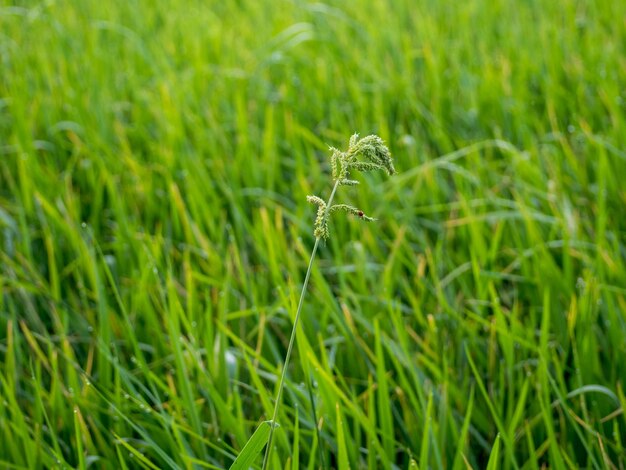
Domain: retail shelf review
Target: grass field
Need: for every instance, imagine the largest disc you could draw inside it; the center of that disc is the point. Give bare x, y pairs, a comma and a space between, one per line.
155, 159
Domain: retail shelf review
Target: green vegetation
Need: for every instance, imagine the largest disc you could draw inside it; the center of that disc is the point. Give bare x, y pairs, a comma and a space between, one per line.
366, 154
154, 234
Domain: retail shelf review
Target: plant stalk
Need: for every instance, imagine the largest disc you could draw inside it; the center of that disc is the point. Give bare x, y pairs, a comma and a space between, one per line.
292, 338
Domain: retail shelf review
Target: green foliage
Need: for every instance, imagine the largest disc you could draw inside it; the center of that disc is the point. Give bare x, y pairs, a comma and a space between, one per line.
253, 447
374, 146
153, 243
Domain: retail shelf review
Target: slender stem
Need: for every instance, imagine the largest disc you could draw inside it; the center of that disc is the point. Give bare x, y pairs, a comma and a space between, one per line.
292, 338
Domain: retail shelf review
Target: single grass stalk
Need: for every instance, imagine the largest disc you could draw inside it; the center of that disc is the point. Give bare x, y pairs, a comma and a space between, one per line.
288, 356
366, 154
292, 338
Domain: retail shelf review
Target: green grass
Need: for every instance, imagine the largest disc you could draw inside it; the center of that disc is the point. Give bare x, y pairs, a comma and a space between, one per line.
154, 233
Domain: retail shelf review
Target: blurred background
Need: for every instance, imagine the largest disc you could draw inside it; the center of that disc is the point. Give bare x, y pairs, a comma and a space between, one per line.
154, 233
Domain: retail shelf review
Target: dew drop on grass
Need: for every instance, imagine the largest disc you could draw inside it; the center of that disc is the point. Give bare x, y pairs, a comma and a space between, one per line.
127, 396
407, 140
83, 225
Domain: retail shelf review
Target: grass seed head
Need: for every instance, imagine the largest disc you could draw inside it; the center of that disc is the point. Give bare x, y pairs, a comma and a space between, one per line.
367, 154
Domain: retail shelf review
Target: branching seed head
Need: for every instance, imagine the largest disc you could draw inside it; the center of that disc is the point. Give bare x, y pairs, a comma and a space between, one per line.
367, 154
373, 149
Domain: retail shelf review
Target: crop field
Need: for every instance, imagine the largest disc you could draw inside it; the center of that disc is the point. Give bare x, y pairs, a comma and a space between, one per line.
155, 234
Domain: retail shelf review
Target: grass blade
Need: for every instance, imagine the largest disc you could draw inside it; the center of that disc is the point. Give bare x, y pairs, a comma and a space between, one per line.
494, 457
253, 447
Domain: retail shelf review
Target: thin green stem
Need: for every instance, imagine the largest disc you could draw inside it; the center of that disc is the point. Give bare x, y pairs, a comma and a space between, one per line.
292, 338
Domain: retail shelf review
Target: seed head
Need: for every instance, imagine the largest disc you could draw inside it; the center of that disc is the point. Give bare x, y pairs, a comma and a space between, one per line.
367, 154
373, 149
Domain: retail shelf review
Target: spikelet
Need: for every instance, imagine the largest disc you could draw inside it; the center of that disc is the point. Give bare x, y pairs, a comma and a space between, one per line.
321, 221
350, 210
373, 149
